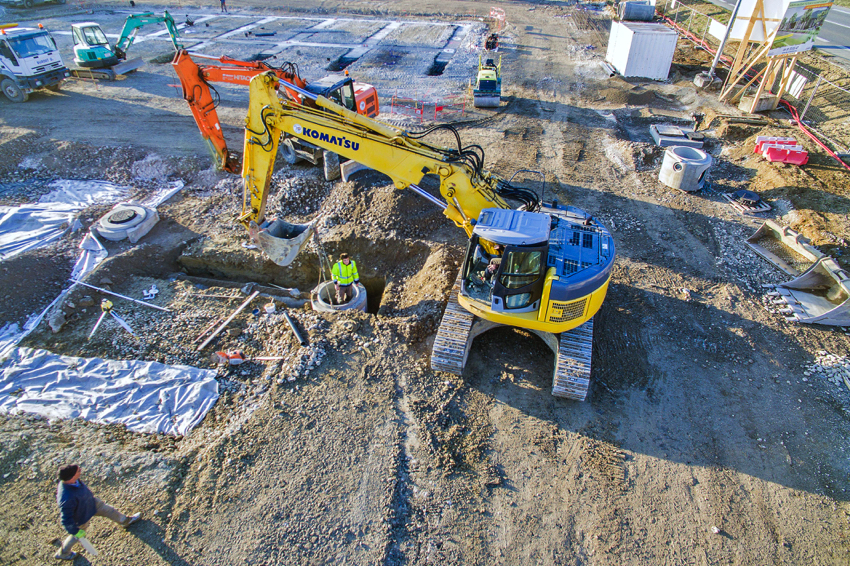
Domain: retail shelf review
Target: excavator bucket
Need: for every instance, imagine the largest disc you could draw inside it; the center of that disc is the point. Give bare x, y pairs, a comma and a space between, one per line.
819, 292
280, 240
783, 247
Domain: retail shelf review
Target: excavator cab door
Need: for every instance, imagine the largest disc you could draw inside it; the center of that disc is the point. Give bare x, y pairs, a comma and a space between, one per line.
518, 283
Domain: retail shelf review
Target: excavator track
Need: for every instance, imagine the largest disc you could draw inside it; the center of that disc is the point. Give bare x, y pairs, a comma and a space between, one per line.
451, 346
572, 369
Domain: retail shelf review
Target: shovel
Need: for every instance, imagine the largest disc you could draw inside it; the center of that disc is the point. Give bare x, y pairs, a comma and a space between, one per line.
88, 546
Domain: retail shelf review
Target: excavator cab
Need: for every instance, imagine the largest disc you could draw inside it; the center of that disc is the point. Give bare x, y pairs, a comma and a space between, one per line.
337, 88
356, 96
506, 260
91, 48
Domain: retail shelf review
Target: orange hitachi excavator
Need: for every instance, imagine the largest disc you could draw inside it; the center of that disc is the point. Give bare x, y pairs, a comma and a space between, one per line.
203, 100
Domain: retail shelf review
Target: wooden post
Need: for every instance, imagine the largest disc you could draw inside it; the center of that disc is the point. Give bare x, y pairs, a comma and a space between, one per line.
786, 78
766, 72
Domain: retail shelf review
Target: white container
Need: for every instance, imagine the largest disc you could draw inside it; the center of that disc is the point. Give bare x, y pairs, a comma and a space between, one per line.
684, 168
638, 49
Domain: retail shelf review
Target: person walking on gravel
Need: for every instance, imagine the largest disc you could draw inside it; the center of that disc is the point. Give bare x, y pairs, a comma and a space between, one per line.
345, 275
223, 6
77, 506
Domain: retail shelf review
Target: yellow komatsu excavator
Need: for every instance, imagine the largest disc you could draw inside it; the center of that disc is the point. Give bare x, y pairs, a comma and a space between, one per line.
544, 267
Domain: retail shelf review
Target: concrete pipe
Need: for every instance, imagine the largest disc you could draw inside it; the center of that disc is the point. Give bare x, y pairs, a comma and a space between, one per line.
684, 168
325, 295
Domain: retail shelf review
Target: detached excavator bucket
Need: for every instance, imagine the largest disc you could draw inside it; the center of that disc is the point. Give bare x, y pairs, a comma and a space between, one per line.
280, 240
783, 247
820, 290
821, 295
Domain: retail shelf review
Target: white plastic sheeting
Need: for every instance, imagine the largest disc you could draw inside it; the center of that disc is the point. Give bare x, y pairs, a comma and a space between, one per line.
147, 397
31, 226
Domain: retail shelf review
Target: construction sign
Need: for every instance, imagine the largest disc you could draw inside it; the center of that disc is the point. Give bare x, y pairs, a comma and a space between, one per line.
799, 27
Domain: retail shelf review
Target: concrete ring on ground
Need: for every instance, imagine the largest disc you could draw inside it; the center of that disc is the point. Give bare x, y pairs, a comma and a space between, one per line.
321, 300
127, 221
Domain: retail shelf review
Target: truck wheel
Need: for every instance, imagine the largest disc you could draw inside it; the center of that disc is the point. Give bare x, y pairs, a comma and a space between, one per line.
331, 163
288, 152
12, 91
54, 88
28, 3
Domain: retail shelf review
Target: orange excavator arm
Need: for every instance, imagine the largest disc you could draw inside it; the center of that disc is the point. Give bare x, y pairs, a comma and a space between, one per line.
203, 99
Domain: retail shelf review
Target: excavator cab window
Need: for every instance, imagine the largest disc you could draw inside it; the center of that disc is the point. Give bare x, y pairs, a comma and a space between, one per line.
94, 36
520, 269
346, 93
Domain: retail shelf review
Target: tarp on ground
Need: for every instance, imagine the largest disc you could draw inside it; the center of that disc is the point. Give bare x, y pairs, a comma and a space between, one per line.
147, 397
31, 226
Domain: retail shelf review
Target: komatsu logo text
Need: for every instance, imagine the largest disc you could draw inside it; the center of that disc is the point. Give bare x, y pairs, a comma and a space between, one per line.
341, 141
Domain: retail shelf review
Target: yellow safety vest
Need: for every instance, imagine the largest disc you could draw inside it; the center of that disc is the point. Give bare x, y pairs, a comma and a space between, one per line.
345, 274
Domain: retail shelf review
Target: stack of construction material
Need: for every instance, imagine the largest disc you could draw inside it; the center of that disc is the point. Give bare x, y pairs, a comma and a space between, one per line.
783, 150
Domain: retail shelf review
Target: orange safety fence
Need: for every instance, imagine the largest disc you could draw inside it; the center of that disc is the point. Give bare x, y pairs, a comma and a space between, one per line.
498, 17
446, 109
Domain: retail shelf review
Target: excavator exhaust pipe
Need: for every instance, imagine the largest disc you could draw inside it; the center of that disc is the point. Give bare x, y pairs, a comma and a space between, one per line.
280, 240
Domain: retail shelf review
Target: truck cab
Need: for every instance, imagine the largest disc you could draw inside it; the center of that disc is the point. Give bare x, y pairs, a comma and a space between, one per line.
29, 60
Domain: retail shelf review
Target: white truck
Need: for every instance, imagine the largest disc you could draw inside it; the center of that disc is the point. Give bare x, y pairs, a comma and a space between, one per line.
29, 60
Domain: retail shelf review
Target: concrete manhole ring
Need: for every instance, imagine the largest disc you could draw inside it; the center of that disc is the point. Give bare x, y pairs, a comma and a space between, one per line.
127, 221
123, 217
322, 299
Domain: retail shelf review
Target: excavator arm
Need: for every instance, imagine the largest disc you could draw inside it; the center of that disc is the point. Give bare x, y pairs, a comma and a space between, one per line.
203, 99
135, 21
465, 189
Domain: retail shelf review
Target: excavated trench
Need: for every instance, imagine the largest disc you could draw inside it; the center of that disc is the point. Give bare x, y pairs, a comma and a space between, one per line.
379, 266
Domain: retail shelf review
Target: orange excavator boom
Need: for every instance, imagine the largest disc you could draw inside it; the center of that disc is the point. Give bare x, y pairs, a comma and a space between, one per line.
203, 98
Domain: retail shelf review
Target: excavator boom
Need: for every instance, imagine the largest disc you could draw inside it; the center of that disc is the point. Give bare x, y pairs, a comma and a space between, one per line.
203, 99
371, 143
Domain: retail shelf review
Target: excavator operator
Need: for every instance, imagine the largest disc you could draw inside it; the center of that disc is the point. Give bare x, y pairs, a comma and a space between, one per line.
345, 275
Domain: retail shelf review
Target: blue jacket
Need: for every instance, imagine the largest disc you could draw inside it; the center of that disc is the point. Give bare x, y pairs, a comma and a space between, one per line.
76, 505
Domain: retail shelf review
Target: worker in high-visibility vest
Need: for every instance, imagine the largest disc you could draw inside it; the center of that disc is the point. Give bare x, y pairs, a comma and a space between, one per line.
345, 276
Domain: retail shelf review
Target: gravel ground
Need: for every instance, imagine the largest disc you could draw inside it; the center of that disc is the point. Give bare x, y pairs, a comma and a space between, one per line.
715, 432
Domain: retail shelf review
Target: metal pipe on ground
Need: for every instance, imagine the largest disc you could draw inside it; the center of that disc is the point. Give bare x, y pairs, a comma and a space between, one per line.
297, 334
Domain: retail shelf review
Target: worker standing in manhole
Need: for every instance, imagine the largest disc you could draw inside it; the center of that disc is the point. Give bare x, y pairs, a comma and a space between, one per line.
345, 275
77, 506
